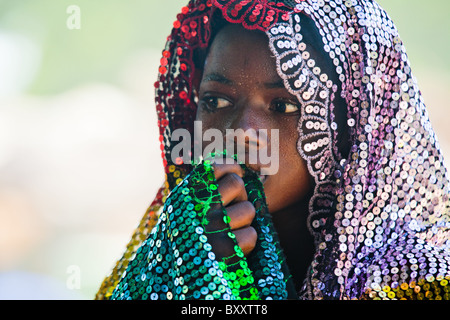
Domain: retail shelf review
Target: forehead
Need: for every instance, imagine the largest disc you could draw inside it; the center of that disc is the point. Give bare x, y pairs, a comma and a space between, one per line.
235, 48
237, 51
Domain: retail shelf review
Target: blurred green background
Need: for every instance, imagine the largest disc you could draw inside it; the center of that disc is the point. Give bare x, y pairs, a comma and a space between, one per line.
113, 30
79, 156
110, 32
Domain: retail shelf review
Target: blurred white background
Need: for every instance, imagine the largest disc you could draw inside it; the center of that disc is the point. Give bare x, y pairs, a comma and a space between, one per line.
79, 150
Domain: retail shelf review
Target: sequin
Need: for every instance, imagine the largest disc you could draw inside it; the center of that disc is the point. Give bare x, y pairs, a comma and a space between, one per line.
380, 215
197, 264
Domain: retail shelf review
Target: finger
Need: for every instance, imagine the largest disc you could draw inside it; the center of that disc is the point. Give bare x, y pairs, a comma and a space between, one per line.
231, 187
221, 170
222, 245
241, 214
246, 239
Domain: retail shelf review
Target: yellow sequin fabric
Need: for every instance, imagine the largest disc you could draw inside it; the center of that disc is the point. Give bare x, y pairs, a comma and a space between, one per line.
424, 289
144, 228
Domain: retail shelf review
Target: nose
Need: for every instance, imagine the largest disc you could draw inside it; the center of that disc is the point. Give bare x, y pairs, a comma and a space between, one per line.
250, 125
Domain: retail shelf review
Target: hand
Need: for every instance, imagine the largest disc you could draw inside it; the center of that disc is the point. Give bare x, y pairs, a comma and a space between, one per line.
241, 212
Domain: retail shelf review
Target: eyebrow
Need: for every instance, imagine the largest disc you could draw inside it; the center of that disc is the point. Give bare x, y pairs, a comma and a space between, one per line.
217, 77
275, 85
220, 78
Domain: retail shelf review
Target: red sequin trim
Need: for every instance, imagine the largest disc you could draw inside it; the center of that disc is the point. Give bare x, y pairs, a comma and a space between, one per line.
260, 14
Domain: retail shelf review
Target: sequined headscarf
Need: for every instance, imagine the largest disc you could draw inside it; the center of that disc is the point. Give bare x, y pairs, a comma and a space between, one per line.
380, 212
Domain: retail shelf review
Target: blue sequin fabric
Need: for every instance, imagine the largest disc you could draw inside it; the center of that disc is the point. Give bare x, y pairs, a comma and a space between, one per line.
177, 261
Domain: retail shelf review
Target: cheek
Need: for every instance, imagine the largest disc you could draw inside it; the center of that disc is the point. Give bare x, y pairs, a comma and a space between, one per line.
289, 156
209, 121
212, 120
290, 185
292, 182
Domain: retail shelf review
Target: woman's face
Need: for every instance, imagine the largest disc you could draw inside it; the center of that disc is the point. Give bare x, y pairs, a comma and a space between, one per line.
240, 89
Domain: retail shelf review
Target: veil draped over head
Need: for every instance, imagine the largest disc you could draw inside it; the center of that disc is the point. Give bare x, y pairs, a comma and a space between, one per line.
380, 211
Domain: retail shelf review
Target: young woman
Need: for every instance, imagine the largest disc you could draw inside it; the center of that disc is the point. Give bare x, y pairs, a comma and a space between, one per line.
358, 205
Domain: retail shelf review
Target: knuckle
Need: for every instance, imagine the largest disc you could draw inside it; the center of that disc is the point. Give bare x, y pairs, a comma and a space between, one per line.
246, 239
248, 209
253, 234
217, 166
236, 181
252, 237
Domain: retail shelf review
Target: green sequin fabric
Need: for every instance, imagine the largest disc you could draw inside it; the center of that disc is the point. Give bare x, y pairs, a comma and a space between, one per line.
177, 260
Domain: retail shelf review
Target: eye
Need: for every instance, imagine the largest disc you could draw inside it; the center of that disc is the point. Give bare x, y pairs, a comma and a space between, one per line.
213, 103
284, 106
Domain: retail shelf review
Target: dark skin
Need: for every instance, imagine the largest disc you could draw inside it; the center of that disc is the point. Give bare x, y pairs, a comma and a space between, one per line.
240, 89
